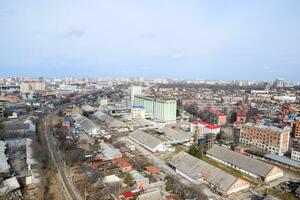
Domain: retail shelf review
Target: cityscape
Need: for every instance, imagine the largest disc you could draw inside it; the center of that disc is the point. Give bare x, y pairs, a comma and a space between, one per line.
149, 100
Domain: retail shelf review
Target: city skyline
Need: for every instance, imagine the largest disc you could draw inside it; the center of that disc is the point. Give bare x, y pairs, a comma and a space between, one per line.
171, 39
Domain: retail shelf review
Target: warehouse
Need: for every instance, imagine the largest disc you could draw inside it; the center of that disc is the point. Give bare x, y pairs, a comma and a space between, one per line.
245, 164
198, 171
174, 135
87, 125
146, 140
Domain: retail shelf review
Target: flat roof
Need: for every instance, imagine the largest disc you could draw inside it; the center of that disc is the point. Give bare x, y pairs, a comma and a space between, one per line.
246, 163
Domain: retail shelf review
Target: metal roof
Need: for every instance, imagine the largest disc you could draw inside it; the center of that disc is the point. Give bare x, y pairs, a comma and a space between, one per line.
197, 169
174, 134
283, 160
246, 163
145, 138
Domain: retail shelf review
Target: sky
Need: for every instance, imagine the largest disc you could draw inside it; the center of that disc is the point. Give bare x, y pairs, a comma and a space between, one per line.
184, 39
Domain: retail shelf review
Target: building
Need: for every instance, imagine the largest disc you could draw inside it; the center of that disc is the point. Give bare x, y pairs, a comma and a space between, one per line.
1, 112
198, 171
283, 161
296, 129
245, 164
124, 165
32, 86
175, 136
204, 128
279, 83
111, 122
86, 124
139, 180
162, 109
134, 90
295, 155
216, 117
267, 138
4, 166
241, 117
137, 112
109, 152
146, 140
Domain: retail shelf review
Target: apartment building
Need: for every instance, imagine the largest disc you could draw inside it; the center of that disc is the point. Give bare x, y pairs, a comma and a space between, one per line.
296, 129
295, 155
267, 138
216, 117
137, 112
31, 86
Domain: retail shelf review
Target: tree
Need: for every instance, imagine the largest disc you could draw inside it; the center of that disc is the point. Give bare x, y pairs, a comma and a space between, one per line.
128, 179
195, 151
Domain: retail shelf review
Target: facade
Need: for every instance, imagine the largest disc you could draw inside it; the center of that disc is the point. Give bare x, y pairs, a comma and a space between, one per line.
198, 171
247, 165
31, 86
1, 112
296, 129
138, 112
216, 117
241, 117
295, 155
163, 110
134, 90
204, 128
267, 138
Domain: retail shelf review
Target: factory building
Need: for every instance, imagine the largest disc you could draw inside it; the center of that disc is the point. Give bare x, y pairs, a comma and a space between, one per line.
255, 168
162, 109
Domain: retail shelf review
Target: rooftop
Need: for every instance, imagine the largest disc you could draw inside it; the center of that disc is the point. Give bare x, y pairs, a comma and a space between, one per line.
283, 160
244, 162
145, 138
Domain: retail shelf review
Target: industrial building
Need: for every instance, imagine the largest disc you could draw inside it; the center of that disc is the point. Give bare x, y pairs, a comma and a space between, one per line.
110, 121
198, 171
247, 165
162, 109
146, 140
267, 138
174, 136
109, 152
86, 124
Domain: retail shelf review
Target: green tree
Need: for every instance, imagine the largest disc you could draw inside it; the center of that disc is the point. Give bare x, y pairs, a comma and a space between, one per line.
128, 179
195, 151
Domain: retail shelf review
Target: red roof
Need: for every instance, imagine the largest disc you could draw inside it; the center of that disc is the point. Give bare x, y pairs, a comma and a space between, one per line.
123, 163
216, 112
212, 126
202, 123
128, 194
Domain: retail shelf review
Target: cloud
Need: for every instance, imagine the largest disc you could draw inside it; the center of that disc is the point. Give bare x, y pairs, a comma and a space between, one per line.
177, 56
74, 33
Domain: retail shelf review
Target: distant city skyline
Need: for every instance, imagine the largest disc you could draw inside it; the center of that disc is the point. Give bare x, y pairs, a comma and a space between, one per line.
209, 40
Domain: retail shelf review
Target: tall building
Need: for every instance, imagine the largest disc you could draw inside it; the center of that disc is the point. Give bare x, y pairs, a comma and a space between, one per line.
163, 109
279, 83
267, 138
296, 129
134, 90
216, 117
32, 86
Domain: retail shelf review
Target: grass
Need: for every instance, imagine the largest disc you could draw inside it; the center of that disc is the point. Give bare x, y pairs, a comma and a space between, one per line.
231, 171
280, 194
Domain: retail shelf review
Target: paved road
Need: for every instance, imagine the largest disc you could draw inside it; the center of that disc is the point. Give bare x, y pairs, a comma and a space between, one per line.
70, 191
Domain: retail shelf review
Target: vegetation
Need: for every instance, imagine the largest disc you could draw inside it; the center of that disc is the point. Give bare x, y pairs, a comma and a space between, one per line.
195, 151
128, 179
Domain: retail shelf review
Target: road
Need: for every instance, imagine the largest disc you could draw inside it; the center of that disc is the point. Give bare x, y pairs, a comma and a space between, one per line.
69, 190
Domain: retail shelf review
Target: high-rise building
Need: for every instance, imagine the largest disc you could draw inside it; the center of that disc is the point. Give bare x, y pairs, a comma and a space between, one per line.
163, 109
296, 129
279, 83
32, 86
134, 90
267, 138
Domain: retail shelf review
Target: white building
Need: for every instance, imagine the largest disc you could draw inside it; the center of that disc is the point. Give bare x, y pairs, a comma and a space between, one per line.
138, 112
134, 90
295, 155
146, 140
31, 86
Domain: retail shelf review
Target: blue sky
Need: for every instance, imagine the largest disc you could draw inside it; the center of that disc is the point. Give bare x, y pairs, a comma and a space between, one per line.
187, 39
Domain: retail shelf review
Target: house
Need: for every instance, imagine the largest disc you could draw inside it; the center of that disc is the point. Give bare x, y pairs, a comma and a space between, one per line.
146, 140
152, 170
139, 180
124, 165
245, 164
198, 171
